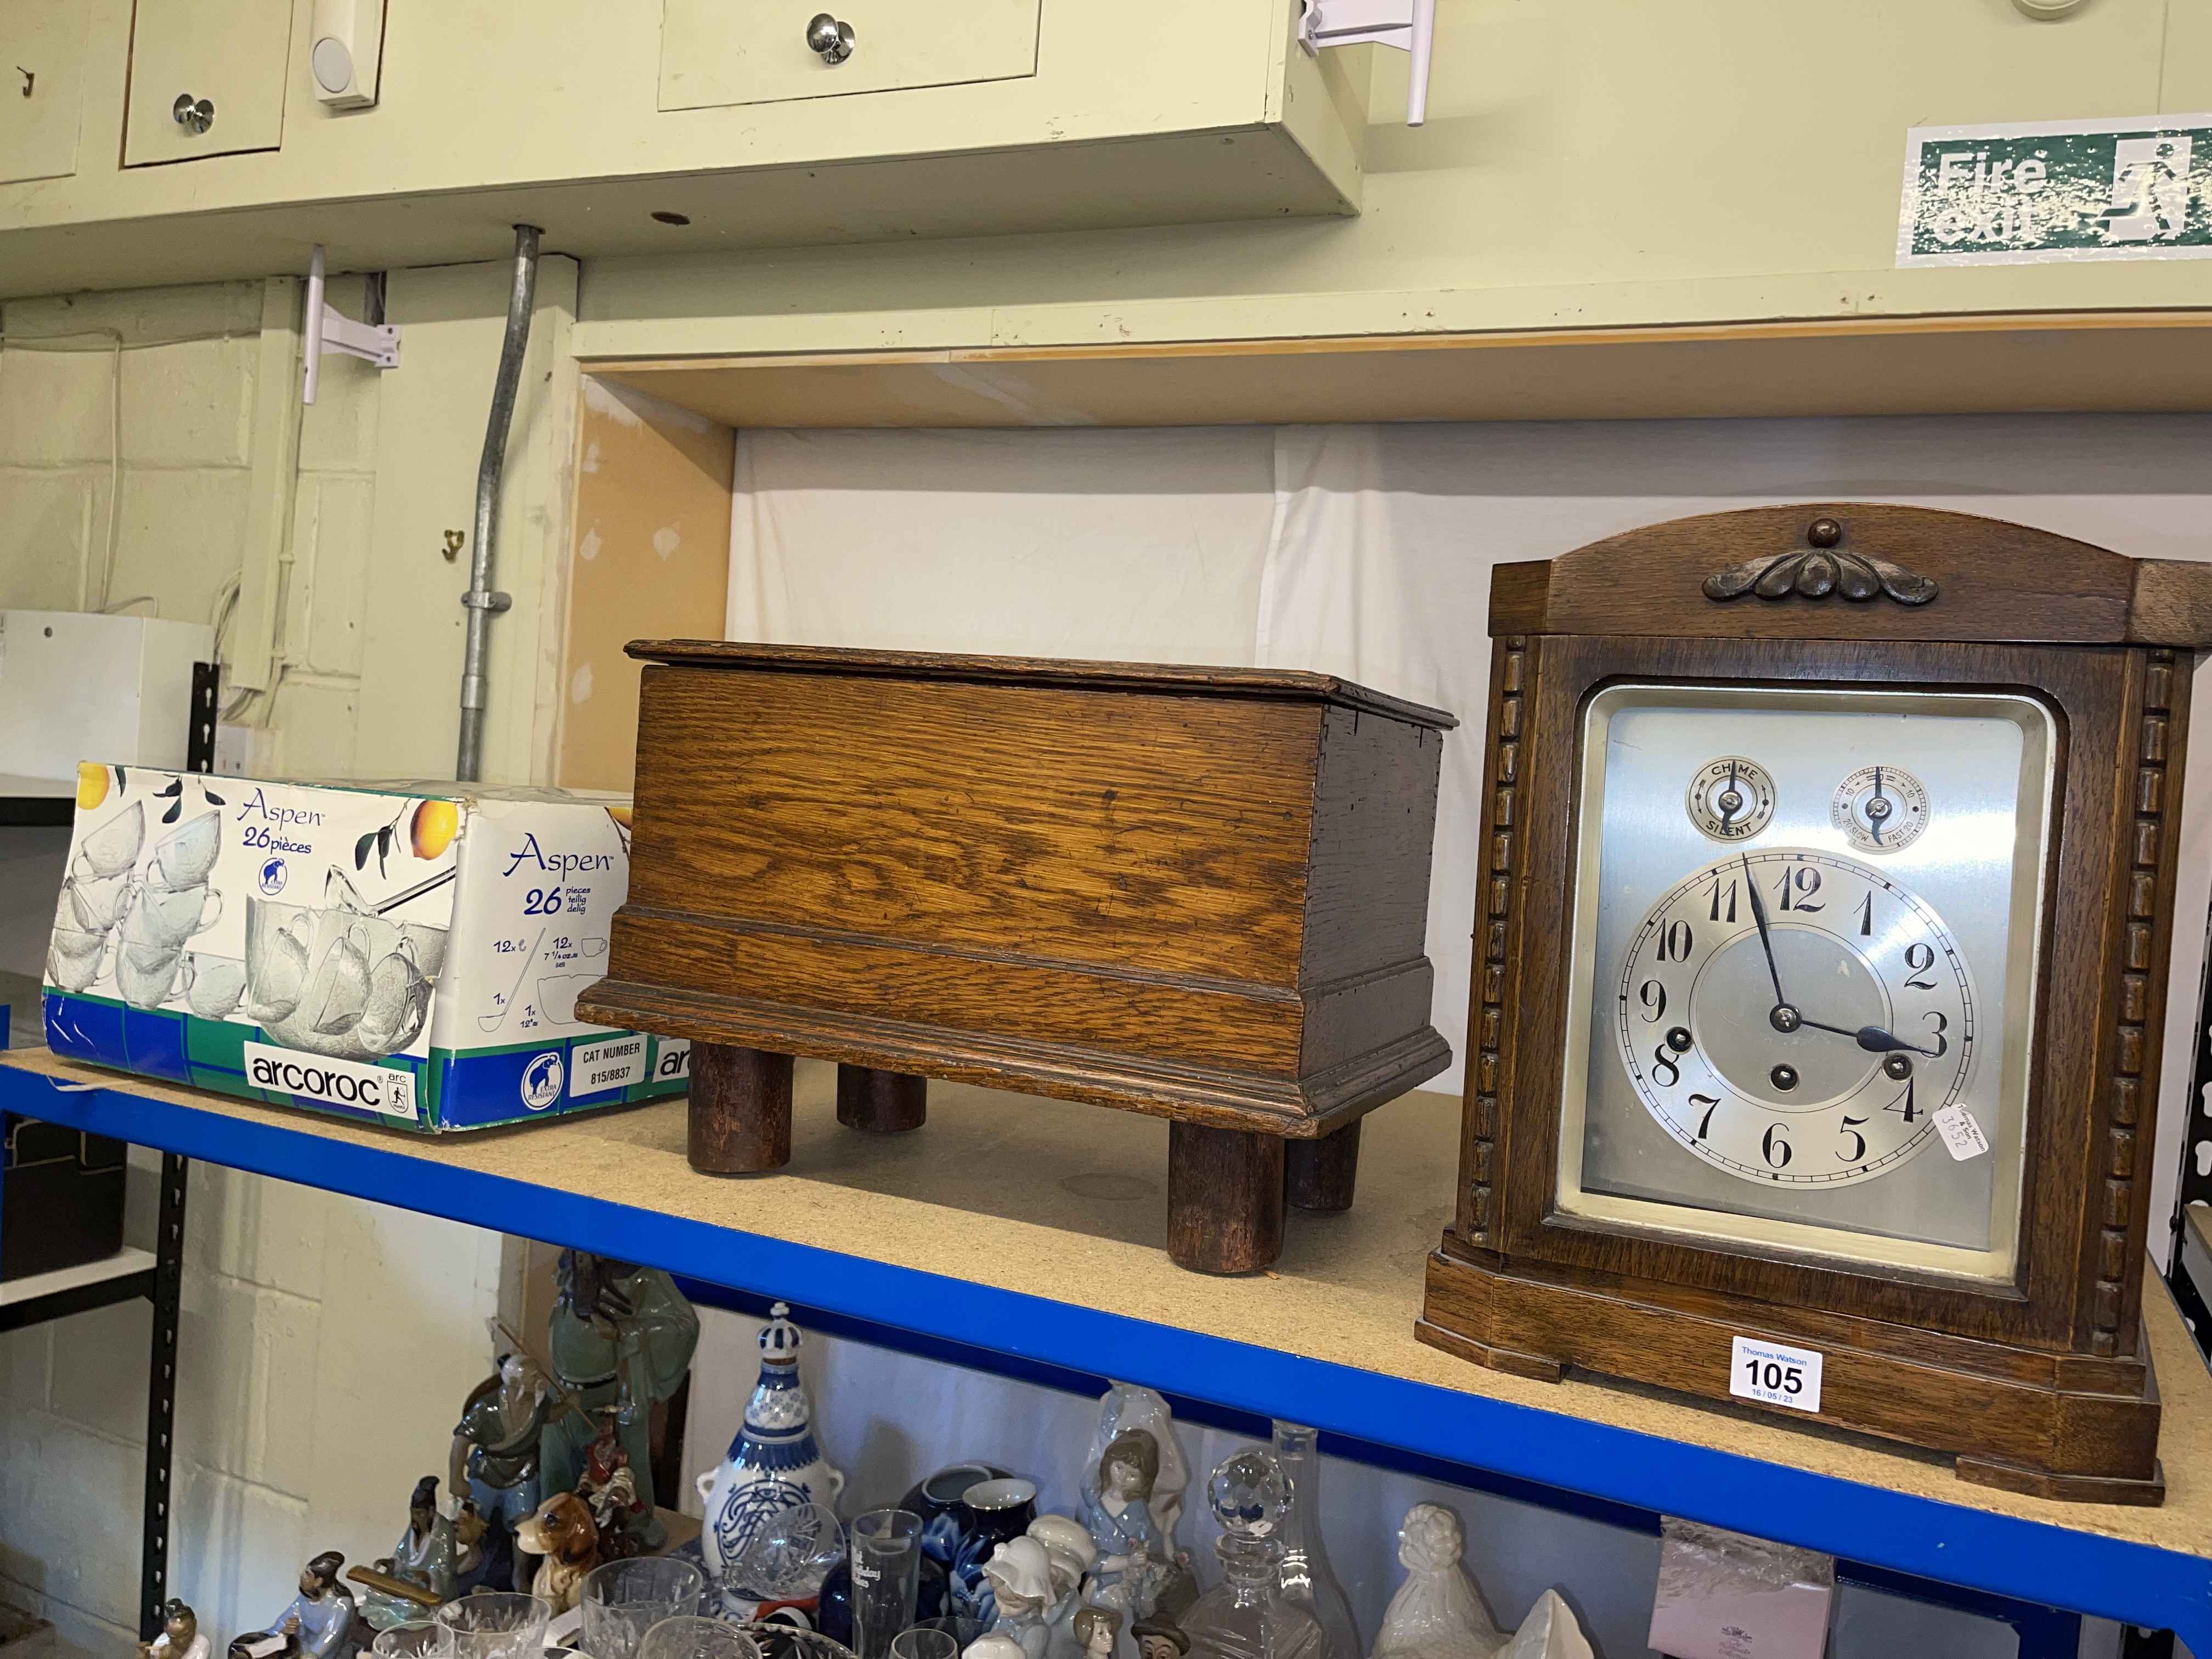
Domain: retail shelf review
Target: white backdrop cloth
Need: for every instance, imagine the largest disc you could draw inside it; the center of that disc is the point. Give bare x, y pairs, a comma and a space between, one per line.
1366, 551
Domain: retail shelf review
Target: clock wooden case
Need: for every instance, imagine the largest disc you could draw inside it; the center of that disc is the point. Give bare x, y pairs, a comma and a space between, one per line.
1820, 977
1197, 893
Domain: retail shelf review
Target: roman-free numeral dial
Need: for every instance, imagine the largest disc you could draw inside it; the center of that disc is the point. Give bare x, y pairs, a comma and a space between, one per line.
1795, 1018
1731, 799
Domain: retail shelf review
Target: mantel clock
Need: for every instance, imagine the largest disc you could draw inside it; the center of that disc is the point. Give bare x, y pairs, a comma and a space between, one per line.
1822, 952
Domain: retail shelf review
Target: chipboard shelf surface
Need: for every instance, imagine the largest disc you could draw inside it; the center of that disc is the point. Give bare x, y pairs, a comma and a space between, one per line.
1024, 1229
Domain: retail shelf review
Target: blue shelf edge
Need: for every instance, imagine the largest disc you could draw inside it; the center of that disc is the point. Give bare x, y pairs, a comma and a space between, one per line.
1923, 1537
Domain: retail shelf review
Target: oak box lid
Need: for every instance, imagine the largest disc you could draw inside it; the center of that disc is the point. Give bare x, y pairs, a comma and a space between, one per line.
1287, 684
1856, 570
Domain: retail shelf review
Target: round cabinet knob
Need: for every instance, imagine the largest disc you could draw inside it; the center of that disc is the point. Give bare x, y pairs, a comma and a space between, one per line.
834, 40
194, 115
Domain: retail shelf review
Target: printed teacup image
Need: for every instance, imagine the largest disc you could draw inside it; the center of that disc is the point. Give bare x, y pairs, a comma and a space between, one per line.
73, 957
186, 856
213, 985
147, 973
114, 848
170, 916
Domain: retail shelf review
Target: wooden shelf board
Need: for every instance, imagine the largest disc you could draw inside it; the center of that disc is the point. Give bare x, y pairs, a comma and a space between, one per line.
1032, 1228
2066, 363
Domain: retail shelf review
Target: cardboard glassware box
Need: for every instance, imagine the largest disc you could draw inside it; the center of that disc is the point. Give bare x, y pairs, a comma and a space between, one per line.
408, 953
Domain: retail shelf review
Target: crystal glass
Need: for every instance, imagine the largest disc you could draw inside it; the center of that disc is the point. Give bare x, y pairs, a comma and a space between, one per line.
780, 1641
962, 1631
688, 1637
498, 1625
419, 1640
1306, 1575
622, 1601
1247, 1615
886, 1578
789, 1554
923, 1642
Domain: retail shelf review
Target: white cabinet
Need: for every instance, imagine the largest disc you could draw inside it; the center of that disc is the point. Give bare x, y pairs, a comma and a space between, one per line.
755, 51
41, 88
207, 78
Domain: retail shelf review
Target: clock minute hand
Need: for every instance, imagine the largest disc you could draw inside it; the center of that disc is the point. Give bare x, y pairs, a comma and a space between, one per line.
1872, 1038
1766, 938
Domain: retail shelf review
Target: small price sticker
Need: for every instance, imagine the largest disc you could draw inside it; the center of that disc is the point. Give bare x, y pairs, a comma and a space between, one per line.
1775, 1375
1962, 1136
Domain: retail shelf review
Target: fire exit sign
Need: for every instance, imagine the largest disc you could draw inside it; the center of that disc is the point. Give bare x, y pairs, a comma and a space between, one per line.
2031, 192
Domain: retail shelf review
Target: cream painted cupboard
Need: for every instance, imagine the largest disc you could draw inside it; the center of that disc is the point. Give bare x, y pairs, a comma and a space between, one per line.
688, 127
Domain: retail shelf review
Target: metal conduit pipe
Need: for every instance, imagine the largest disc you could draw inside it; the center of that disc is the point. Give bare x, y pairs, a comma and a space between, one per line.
482, 600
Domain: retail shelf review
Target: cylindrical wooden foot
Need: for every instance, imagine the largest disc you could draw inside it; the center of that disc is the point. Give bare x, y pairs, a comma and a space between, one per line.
1319, 1174
1224, 1199
740, 1109
884, 1102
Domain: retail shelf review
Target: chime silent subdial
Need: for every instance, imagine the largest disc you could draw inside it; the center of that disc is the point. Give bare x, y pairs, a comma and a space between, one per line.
1880, 809
1731, 799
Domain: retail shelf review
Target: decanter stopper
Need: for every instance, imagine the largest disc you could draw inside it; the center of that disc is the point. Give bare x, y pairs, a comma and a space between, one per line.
1251, 1498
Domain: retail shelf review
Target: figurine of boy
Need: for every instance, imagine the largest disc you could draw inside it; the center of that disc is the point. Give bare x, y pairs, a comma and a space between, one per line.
1097, 1628
321, 1616
1161, 1638
425, 1557
621, 1335
1020, 1571
180, 1636
609, 1489
1132, 1557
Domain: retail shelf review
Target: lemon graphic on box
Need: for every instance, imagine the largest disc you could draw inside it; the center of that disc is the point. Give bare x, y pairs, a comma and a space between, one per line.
435, 825
91, 782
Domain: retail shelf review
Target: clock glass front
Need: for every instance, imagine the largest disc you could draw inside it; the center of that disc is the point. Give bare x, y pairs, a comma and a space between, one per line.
1806, 932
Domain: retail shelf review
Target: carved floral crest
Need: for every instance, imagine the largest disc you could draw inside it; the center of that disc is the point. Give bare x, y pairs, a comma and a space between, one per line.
1819, 569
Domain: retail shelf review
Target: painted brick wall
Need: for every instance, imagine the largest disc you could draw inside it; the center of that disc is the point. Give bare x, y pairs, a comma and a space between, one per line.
327, 1344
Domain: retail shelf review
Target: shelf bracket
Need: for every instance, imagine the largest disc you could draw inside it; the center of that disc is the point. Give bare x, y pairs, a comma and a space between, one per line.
328, 331
1409, 25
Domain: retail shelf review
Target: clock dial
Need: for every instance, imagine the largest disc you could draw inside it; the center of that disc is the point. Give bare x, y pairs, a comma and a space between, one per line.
1881, 809
1731, 799
1795, 1018
1789, 1102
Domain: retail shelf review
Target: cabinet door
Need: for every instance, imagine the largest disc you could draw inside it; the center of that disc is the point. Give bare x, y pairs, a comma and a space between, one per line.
755, 51
231, 53
41, 89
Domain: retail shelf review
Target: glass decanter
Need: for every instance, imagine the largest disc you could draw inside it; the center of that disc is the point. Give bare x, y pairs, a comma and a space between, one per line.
1304, 1572
1247, 1615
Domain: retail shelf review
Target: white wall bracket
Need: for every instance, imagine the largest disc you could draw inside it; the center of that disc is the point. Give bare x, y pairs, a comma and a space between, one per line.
1409, 25
328, 331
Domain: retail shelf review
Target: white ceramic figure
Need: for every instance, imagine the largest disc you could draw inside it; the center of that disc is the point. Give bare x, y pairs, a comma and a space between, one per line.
772, 1465
1122, 1407
1438, 1614
1021, 1584
993, 1646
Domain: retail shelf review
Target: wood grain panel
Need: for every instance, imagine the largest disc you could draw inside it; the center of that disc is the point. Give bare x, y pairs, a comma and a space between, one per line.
1163, 833
1374, 821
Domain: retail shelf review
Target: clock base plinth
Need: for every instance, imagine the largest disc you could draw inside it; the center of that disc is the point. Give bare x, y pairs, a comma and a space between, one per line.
2065, 1426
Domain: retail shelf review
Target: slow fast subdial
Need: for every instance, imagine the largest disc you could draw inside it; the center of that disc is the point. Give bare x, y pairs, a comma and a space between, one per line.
1880, 809
1796, 1018
1731, 799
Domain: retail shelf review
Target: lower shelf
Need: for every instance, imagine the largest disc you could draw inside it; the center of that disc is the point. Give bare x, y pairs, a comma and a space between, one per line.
1028, 1229
37, 1298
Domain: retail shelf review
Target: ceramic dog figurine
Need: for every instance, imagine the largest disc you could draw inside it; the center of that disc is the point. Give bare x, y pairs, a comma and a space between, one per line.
561, 1532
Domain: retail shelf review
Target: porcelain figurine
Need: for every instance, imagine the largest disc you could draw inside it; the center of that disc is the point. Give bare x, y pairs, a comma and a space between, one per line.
1247, 1616
425, 1557
621, 1335
1161, 1638
495, 1457
1096, 1630
1307, 1577
1438, 1614
773, 1463
1132, 1555
561, 1534
1123, 1408
992, 1645
609, 1489
321, 1617
180, 1636
1026, 1596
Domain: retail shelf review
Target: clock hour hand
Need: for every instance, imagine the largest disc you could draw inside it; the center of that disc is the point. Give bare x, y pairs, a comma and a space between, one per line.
1872, 1038
1765, 937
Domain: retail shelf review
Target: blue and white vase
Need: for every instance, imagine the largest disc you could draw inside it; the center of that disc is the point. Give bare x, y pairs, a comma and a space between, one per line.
774, 1463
